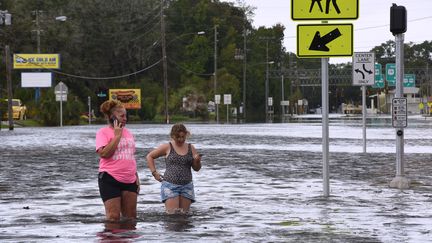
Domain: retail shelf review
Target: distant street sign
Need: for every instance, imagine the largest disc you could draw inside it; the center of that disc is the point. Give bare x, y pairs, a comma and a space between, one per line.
61, 88
379, 83
379, 80
324, 40
284, 102
364, 68
101, 94
399, 112
61, 91
378, 72
61, 97
217, 99
409, 80
391, 74
227, 99
313, 10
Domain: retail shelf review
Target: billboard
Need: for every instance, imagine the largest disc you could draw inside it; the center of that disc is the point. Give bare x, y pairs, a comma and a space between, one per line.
36, 61
36, 80
131, 98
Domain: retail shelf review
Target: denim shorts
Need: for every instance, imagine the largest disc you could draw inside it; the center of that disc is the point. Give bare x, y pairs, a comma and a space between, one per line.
169, 190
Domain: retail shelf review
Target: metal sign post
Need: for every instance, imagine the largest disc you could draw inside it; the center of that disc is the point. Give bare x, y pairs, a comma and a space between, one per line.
227, 102
364, 74
61, 91
398, 26
217, 102
324, 41
400, 181
89, 109
325, 126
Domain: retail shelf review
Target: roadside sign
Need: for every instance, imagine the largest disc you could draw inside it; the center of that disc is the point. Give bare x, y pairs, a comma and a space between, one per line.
270, 101
36, 61
62, 98
61, 88
130, 98
379, 79
217, 99
399, 112
409, 80
324, 40
391, 74
379, 83
227, 99
61, 91
363, 68
284, 102
314, 10
378, 72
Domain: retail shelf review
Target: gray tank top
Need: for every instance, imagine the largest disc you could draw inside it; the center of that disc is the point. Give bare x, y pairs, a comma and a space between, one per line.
178, 167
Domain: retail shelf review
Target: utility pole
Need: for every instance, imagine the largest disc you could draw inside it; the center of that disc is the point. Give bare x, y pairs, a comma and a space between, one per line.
164, 63
215, 72
9, 86
282, 97
38, 30
6, 19
267, 77
266, 82
244, 73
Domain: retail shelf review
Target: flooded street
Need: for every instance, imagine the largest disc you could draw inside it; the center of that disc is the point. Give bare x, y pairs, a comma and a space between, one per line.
259, 183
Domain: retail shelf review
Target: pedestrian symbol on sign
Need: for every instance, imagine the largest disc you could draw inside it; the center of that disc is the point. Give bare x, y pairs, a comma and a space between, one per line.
327, 6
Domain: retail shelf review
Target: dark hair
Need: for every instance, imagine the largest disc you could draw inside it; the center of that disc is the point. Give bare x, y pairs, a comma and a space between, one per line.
108, 106
178, 128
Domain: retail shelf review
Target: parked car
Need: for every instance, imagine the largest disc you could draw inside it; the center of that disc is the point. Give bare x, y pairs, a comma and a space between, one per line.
19, 110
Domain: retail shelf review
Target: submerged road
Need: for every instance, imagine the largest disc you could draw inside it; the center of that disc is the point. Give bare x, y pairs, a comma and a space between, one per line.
259, 183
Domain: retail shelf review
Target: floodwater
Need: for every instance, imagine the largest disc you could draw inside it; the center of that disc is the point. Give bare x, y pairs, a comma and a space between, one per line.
259, 183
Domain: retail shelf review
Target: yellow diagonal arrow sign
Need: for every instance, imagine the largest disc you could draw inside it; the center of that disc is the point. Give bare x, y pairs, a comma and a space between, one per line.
324, 40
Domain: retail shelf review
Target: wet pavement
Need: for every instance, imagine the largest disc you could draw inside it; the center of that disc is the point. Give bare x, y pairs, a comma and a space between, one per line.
259, 183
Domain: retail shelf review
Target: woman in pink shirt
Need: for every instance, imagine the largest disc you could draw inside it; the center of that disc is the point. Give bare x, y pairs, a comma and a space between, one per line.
118, 178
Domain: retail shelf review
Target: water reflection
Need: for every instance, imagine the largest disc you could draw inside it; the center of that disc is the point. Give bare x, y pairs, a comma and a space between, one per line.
119, 231
178, 222
259, 183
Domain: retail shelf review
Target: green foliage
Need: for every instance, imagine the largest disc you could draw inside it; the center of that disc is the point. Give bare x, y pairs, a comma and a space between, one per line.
49, 110
72, 111
117, 44
3, 107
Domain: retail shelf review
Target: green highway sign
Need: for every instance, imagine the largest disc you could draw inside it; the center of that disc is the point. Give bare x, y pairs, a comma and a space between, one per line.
328, 10
379, 83
391, 74
409, 80
379, 80
378, 73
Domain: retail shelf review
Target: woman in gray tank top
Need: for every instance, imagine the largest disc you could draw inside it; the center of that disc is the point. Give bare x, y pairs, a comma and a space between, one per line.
177, 189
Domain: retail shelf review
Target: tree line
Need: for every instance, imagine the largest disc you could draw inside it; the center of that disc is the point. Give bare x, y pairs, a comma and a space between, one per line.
107, 44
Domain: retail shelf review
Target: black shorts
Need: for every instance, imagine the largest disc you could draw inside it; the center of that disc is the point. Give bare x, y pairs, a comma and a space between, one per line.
110, 188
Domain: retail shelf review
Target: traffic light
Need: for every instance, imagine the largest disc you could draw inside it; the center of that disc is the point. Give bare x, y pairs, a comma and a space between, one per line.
398, 19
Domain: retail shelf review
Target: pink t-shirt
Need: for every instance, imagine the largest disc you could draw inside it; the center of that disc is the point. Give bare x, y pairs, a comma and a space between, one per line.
122, 164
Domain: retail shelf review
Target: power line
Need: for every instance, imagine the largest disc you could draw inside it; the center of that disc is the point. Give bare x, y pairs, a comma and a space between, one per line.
188, 70
105, 78
99, 78
374, 27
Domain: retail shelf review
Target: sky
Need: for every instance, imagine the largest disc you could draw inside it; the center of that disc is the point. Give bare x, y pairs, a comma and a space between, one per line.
371, 29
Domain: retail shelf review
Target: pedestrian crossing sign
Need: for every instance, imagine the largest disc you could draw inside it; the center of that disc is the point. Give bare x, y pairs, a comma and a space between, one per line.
324, 9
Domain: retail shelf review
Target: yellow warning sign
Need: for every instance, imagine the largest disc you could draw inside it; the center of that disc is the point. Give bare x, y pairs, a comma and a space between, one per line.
324, 40
324, 9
